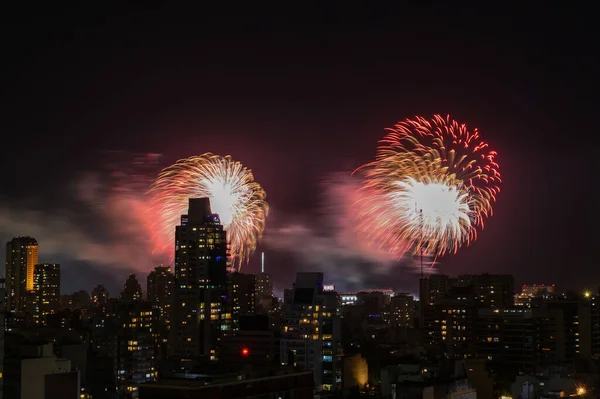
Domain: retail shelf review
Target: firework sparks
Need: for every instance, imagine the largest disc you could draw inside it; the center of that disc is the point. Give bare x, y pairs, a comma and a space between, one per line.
239, 201
430, 188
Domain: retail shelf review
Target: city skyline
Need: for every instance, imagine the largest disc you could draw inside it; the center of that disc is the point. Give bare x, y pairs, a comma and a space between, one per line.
262, 281
299, 120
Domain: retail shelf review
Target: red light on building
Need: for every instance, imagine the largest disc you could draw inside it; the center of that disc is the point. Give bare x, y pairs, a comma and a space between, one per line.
245, 351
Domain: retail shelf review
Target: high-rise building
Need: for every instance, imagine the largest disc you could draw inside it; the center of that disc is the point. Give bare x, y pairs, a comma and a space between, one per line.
46, 286
449, 307
100, 295
490, 290
311, 330
199, 314
514, 341
2, 329
264, 287
557, 331
264, 290
573, 318
132, 290
159, 290
450, 326
135, 359
242, 293
431, 290
402, 310
476, 291
21, 258
595, 324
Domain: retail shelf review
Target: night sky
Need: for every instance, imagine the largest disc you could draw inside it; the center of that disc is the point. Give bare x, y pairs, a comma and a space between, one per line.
298, 100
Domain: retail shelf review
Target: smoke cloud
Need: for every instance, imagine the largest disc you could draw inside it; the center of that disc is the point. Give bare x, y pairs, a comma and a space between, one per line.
104, 230
330, 242
100, 230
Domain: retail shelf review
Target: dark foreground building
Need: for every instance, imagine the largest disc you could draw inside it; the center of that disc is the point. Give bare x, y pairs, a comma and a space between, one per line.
200, 291
298, 385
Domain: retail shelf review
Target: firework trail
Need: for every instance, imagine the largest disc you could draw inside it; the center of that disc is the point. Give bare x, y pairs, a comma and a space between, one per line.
234, 196
430, 188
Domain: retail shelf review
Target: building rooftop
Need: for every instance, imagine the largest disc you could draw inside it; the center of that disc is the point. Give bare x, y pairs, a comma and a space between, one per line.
26, 240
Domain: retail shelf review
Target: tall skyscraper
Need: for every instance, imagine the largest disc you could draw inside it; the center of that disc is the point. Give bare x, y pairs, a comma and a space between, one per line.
264, 289
159, 290
21, 258
200, 293
132, 290
46, 287
311, 330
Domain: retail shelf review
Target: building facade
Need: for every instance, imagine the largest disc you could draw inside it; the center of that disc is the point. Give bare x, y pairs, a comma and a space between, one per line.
46, 286
159, 289
21, 258
242, 292
311, 331
200, 292
135, 360
402, 310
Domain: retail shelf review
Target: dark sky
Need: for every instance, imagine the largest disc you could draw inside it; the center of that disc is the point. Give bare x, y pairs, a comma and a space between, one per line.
297, 97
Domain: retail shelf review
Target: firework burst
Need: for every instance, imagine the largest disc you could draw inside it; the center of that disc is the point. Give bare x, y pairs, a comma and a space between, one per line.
430, 189
239, 201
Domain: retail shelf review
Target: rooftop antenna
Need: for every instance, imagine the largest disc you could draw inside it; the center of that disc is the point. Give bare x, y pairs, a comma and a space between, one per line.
262, 262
